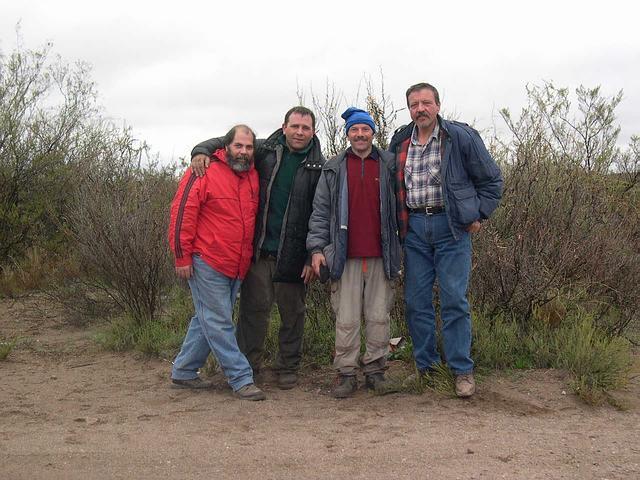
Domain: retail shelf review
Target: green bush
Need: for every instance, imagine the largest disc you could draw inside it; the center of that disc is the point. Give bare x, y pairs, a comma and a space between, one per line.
161, 337
496, 341
597, 361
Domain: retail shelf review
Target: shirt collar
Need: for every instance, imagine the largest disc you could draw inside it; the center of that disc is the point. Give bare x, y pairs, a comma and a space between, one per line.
434, 135
373, 155
283, 141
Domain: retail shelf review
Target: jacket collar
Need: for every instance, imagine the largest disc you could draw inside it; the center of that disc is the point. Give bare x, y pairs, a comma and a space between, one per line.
404, 132
314, 158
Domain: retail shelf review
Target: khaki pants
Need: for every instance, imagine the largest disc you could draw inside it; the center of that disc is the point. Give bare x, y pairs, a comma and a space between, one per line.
363, 288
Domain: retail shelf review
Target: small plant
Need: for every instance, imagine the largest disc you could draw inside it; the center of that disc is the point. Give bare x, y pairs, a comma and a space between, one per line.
161, 337
5, 348
496, 341
439, 380
597, 361
32, 272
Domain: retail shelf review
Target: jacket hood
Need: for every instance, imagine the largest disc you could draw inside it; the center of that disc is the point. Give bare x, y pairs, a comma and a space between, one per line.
221, 155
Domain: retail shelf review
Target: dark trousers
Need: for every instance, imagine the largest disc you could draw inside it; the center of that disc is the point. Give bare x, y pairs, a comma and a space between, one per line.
257, 295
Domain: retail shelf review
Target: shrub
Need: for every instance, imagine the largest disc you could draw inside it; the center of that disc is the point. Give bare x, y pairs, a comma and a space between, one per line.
158, 337
566, 223
496, 341
44, 107
118, 224
161, 336
33, 272
598, 362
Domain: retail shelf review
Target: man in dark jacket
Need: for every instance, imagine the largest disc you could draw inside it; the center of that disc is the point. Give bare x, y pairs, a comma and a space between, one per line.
447, 184
289, 163
353, 234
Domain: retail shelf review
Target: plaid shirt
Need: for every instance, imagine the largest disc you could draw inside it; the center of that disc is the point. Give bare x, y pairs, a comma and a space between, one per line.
401, 150
422, 171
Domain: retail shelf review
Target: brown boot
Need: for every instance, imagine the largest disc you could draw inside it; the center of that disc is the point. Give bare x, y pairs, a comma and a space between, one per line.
465, 385
250, 392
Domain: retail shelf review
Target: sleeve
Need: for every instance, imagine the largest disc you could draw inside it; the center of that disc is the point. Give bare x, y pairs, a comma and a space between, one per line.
208, 146
319, 226
185, 208
485, 174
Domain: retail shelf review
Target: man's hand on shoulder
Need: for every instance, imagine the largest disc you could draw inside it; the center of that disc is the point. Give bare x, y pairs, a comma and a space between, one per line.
199, 163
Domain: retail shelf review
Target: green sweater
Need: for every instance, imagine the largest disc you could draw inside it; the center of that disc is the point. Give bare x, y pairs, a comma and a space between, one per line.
279, 197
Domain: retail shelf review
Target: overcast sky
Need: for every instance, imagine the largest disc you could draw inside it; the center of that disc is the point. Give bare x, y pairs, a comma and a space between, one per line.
181, 72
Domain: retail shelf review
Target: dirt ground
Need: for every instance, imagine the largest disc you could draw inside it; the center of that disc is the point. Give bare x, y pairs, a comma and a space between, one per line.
71, 411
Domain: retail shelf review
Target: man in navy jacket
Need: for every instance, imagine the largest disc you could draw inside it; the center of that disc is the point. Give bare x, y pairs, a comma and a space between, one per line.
446, 185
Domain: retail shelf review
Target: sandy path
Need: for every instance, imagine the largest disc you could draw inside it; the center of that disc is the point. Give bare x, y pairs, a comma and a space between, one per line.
69, 410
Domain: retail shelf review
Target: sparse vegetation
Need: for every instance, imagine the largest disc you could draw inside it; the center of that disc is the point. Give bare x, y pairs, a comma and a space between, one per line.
597, 361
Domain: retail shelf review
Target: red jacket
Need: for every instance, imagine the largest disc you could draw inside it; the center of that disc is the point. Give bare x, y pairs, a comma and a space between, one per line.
214, 216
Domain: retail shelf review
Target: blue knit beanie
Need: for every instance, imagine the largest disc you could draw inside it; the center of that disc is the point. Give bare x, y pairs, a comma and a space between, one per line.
353, 116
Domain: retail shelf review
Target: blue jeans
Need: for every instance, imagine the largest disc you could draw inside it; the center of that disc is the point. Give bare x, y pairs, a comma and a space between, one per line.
432, 252
212, 329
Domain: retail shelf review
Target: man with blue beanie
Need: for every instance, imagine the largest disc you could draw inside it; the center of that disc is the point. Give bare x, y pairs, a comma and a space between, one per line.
353, 234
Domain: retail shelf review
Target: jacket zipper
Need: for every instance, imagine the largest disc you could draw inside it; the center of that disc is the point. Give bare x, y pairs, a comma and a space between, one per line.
276, 167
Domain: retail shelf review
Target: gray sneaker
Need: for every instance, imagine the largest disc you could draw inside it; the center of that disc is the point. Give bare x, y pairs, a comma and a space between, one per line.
465, 385
287, 380
193, 383
250, 392
346, 385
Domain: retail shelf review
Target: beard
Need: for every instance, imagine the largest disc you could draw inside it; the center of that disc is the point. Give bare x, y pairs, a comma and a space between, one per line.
239, 163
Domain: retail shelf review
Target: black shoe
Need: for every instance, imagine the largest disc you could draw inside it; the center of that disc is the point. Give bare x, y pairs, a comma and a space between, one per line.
379, 384
346, 386
193, 383
287, 380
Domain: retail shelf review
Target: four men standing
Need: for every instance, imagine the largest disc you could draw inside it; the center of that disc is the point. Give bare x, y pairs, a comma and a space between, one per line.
431, 191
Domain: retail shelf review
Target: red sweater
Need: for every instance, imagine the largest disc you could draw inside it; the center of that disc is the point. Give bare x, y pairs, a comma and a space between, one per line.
214, 216
363, 177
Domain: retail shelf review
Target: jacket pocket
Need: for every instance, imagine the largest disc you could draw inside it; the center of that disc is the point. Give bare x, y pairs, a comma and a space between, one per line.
467, 205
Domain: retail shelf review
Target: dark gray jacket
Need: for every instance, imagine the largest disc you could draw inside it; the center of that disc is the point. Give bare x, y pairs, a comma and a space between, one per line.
329, 222
292, 253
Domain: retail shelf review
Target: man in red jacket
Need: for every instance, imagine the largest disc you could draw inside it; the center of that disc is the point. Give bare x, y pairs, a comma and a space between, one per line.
211, 236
